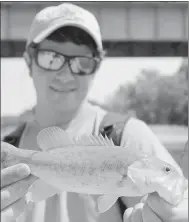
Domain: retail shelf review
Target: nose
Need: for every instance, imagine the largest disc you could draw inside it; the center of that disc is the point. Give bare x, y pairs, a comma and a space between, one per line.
65, 75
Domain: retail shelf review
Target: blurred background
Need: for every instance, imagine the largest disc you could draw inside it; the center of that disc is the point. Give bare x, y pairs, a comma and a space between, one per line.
146, 44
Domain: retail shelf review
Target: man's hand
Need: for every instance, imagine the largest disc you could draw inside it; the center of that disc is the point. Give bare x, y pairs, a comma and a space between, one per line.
155, 209
15, 181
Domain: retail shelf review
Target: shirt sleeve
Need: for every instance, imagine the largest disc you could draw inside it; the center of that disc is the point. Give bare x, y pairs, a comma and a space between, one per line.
137, 133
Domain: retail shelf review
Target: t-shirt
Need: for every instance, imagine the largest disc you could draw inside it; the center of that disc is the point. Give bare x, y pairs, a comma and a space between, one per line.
72, 207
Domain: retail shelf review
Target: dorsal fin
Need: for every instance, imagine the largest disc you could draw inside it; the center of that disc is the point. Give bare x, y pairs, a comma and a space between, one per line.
93, 140
53, 137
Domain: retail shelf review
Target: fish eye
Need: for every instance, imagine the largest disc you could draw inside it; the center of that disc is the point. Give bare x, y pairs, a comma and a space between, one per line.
167, 169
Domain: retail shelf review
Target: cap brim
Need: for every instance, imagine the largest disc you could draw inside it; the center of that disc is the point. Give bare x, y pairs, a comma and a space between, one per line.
44, 34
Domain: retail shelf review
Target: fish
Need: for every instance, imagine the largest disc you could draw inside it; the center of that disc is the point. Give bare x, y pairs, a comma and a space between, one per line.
94, 165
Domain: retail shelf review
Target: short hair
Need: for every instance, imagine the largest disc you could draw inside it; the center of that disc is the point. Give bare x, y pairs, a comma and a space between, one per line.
75, 35
68, 33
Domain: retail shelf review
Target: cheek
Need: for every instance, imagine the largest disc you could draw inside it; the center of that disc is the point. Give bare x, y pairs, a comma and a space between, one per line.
84, 83
41, 78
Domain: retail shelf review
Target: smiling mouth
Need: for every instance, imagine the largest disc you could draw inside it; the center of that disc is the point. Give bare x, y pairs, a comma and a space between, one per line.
62, 90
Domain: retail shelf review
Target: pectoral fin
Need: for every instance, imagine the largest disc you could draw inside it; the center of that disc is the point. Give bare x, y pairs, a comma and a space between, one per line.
40, 190
105, 202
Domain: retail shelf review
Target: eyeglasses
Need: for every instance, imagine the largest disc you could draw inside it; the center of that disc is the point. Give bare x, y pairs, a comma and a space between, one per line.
54, 61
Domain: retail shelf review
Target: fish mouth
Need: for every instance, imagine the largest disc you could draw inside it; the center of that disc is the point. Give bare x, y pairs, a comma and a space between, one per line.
174, 193
180, 191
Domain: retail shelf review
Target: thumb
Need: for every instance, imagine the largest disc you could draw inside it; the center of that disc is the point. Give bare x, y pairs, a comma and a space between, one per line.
4, 153
159, 205
166, 211
8, 155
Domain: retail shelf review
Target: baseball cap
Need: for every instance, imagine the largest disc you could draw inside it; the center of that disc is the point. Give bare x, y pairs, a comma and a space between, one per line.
52, 18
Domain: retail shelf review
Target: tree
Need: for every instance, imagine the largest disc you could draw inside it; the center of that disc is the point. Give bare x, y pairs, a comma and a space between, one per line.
161, 99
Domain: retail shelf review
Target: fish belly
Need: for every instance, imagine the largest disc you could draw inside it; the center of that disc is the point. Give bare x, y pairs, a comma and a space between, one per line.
71, 179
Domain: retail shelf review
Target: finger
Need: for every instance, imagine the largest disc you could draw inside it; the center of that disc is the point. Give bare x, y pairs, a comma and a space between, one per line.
13, 211
166, 211
149, 215
14, 173
159, 205
144, 199
136, 215
127, 214
15, 191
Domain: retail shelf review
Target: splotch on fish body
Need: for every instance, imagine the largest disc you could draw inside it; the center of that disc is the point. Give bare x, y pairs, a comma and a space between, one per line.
83, 166
94, 165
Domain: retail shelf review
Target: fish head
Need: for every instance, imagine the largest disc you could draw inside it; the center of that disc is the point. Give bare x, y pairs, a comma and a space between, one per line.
155, 175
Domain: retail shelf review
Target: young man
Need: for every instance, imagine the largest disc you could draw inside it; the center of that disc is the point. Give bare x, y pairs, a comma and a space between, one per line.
63, 52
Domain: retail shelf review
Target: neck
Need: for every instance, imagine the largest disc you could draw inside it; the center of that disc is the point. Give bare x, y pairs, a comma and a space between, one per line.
46, 116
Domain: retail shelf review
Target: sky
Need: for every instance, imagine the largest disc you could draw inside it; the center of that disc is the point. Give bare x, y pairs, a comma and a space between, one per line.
18, 94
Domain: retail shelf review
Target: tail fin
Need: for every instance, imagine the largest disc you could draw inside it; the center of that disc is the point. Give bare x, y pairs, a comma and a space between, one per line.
8, 155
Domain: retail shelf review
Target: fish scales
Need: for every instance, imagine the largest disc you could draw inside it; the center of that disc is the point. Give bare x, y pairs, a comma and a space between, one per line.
96, 166
92, 160
80, 164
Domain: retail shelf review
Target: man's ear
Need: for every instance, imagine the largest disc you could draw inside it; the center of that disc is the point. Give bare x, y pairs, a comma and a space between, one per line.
28, 61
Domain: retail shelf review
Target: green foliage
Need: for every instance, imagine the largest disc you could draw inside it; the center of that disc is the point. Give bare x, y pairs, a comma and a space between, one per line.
160, 99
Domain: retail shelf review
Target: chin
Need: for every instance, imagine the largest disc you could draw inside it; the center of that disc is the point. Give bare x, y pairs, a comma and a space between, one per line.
65, 100
64, 104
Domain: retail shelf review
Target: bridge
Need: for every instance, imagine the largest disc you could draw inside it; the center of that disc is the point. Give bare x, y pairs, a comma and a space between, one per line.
128, 28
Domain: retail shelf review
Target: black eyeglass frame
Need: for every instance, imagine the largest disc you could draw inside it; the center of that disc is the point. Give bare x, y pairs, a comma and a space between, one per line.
67, 58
